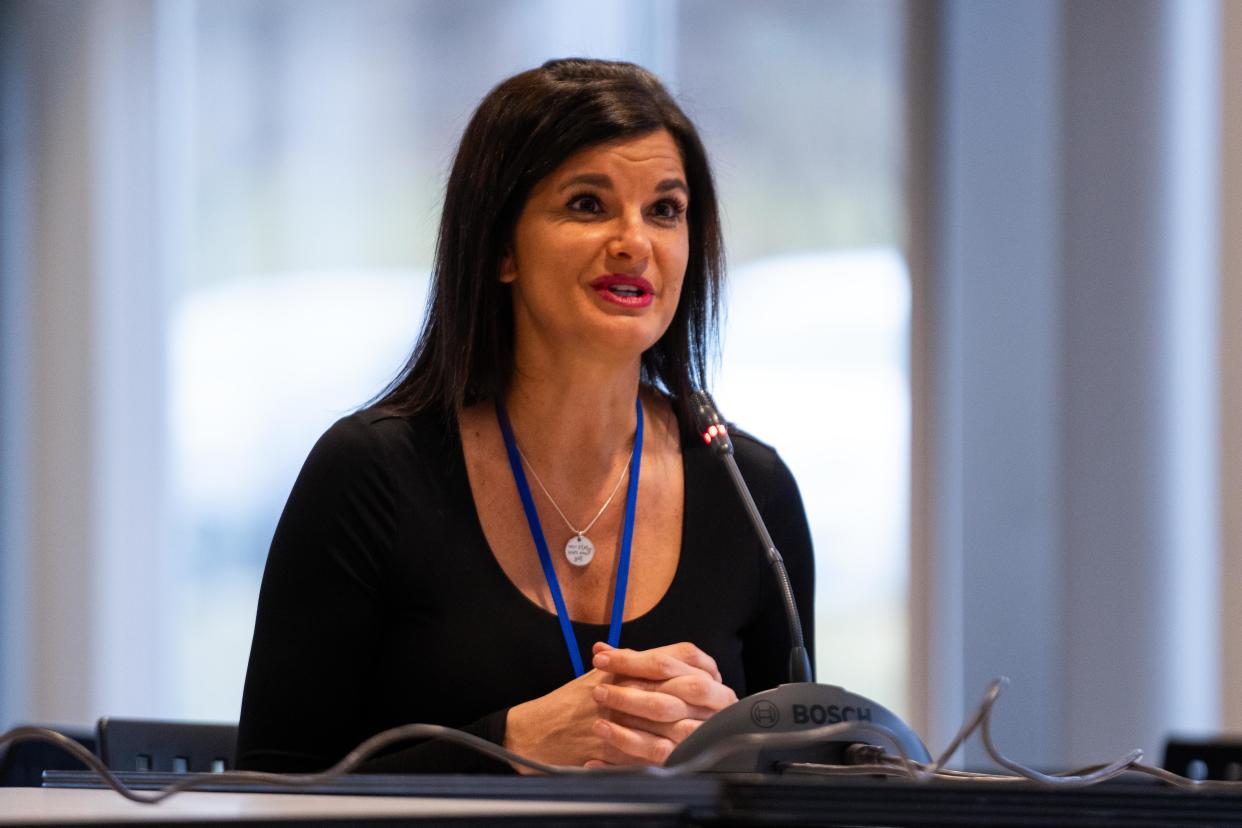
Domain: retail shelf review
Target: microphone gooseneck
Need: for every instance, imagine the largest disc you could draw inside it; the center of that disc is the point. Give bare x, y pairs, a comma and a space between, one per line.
715, 433
799, 706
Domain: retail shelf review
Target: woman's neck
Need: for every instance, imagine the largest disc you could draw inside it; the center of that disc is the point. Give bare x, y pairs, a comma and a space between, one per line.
574, 417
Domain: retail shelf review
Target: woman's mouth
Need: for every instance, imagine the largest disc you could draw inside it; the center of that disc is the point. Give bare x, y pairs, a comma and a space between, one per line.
627, 291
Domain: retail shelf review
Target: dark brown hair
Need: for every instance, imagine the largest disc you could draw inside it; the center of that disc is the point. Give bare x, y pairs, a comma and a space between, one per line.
522, 131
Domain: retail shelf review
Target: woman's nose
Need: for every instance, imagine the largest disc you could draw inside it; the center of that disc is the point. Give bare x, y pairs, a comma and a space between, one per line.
631, 240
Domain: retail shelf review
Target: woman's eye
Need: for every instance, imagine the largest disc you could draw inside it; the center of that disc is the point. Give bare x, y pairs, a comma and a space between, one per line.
669, 209
585, 204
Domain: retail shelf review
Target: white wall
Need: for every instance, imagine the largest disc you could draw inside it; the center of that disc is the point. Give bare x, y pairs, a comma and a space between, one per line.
83, 411
1230, 321
1071, 438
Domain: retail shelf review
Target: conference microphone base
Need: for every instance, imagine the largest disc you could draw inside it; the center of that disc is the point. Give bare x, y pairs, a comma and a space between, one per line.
789, 709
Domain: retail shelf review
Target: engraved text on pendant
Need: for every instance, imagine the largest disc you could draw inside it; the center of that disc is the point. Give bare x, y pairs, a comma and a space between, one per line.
579, 550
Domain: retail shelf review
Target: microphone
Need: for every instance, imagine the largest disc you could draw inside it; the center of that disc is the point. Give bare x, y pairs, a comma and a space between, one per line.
799, 705
716, 434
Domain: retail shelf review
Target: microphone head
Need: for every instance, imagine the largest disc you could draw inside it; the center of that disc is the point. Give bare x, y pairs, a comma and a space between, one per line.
708, 422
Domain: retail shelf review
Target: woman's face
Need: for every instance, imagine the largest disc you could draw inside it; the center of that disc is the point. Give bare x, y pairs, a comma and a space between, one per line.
600, 248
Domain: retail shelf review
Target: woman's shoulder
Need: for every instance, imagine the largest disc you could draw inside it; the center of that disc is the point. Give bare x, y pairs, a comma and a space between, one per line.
368, 426
759, 461
753, 455
750, 450
766, 474
377, 436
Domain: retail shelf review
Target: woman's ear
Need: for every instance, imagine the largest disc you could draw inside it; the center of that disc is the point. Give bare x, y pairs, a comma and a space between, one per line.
508, 268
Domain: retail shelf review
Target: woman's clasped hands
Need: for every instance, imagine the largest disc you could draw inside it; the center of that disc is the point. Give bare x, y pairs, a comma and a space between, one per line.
633, 708
655, 700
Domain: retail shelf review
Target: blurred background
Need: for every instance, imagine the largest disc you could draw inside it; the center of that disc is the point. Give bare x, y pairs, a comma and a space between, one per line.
984, 301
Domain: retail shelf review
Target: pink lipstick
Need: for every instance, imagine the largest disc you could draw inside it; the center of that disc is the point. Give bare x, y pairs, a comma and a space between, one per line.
627, 291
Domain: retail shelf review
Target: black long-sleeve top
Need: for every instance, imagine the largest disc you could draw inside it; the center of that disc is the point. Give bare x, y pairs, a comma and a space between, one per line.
382, 603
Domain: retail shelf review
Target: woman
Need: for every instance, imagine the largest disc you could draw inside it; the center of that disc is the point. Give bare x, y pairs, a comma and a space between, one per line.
521, 538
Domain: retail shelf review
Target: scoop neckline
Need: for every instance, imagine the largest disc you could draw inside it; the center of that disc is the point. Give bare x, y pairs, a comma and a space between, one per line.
497, 570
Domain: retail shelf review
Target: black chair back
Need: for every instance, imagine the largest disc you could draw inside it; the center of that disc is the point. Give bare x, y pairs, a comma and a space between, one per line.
1218, 759
22, 764
155, 745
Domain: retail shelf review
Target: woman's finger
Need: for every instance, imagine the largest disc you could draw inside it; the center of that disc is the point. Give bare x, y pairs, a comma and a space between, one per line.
637, 683
646, 704
677, 731
659, 663
638, 744
607, 755
695, 691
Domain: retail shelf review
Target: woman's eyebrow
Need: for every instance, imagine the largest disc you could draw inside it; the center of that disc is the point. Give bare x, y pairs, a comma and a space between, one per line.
672, 184
591, 179
603, 182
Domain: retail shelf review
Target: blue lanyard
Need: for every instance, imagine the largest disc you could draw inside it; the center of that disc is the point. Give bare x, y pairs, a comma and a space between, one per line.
545, 558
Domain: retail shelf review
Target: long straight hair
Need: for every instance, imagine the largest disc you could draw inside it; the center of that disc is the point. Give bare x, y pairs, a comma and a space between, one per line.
522, 131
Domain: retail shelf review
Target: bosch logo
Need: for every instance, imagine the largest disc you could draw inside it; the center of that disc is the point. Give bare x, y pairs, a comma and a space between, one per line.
832, 714
765, 714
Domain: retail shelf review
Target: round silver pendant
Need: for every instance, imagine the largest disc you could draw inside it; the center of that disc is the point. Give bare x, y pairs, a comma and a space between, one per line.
579, 550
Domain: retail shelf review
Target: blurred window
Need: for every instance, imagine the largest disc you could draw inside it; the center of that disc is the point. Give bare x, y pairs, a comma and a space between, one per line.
322, 136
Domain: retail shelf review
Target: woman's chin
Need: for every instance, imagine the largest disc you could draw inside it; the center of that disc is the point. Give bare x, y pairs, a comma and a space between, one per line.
631, 335
614, 334
617, 345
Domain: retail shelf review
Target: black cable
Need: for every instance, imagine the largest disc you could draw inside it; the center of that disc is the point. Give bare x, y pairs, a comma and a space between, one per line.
382, 740
297, 780
981, 720
866, 759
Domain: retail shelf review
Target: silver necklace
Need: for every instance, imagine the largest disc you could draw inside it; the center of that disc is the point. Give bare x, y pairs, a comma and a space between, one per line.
579, 550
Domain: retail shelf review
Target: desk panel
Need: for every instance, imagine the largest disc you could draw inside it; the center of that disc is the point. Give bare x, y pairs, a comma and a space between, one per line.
597, 800
51, 806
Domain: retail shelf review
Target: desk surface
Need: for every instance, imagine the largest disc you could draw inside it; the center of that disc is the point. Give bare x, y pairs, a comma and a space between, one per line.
52, 806
603, 800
